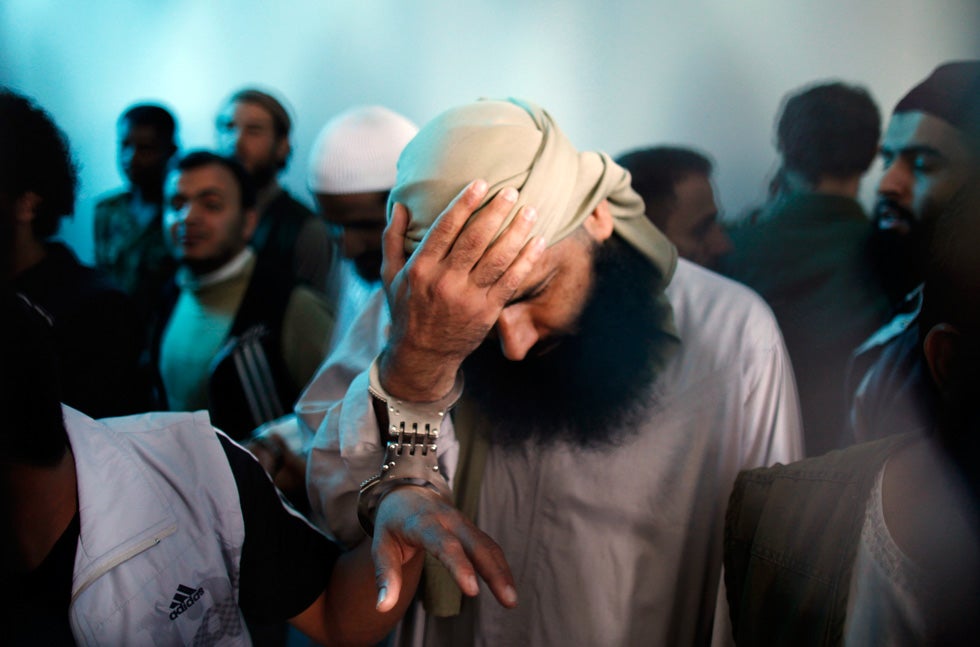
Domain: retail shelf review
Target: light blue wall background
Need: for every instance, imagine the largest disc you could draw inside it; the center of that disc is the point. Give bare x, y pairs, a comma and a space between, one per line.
709, 73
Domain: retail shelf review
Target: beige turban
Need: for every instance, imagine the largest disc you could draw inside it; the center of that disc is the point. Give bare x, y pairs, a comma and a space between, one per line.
517, 144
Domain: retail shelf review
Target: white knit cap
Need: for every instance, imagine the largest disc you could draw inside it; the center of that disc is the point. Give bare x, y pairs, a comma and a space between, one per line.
357, 151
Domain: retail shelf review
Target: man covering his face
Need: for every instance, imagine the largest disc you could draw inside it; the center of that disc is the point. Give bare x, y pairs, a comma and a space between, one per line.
607, 321
610, 392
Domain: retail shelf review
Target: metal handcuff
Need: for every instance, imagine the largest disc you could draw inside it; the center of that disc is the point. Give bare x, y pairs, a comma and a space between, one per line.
410, 449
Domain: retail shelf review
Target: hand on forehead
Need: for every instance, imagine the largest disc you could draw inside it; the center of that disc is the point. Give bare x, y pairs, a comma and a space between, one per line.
507, 144
517, 144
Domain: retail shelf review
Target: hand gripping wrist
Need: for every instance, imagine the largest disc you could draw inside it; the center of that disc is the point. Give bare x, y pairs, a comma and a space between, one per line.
411, 438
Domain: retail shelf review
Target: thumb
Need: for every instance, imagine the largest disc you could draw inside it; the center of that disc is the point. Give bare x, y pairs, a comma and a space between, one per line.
387, 573
393, 244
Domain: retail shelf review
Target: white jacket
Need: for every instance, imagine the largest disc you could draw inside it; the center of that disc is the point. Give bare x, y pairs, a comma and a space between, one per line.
161, 533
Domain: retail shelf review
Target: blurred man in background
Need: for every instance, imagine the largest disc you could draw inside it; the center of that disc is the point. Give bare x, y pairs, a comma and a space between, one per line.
129, 241
807, 250
254, 128
97, 330
675, 184
931, 151
235, 336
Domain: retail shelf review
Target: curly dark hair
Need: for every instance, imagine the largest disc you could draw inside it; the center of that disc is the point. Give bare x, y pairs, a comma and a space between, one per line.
35, 158
829, 129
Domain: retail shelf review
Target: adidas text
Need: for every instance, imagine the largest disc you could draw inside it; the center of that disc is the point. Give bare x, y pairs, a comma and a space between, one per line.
184, 599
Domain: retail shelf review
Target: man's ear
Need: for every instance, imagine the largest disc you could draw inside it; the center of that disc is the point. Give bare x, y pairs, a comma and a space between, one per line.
599, 223
283, 150
25, 208
251, 222
940, 348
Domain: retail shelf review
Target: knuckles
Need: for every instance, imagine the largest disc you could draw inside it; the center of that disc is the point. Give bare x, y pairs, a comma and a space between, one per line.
495, 267
417, 273
509, 283
445, 290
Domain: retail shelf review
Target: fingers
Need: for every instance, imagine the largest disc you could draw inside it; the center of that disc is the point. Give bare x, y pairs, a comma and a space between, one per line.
472, 242
461, 237
506, 249
447, 227
488, 559
468, 242
448, 548
467, 552
507, 284
393, 244
412, 518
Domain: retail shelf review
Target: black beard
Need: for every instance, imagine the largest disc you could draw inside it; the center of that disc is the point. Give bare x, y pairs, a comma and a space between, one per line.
593, 387
899, 258
263, 175
203, 266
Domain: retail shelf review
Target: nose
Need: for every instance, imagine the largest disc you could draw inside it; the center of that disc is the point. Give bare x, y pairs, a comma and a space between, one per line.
896, 183
516, 331
185, 214
174, 223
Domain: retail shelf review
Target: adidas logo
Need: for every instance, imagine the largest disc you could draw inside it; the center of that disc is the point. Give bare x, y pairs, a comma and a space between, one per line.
184, 599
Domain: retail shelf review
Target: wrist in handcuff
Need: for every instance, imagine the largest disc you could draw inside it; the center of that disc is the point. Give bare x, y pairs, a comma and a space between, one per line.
410, 434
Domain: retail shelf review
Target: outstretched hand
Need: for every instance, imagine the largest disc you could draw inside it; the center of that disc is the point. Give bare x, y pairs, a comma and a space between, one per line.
448, 295
412, 519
